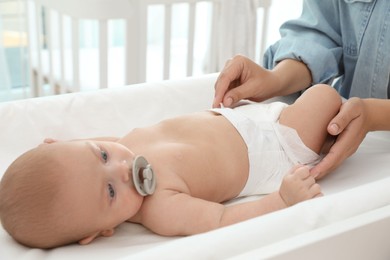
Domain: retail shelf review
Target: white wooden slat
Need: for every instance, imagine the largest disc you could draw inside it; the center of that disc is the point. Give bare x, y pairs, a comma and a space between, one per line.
213, 34
130, 52
263, 40
62, 53
103, 54
167, 40
49, 44
39, 72
136, 43
142, 41
130, 45
29, 47
75, 54
22, 27
191, 38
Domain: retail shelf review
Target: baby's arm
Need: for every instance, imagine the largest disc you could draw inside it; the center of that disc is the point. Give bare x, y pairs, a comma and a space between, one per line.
297, 186
173, 213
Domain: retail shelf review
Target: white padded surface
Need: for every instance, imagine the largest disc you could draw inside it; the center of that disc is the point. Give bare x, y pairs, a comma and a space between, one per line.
360, 186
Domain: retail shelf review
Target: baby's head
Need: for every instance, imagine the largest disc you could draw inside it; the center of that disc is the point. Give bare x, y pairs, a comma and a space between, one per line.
68, 192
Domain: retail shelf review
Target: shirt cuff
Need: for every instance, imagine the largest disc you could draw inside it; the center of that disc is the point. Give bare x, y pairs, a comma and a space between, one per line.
321, 61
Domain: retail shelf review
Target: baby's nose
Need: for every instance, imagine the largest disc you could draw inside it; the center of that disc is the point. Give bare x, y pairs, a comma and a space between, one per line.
125, 171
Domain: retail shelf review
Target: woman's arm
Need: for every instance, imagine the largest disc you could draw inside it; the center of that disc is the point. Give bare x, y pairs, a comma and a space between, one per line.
314, 39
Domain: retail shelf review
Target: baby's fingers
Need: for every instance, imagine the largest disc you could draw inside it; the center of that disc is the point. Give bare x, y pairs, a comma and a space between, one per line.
315, 190
301, 172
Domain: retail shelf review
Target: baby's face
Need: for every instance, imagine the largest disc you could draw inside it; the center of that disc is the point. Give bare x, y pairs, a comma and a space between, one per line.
98, 183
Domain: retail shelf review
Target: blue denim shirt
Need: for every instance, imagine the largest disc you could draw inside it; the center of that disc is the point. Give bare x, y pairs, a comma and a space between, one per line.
346, 38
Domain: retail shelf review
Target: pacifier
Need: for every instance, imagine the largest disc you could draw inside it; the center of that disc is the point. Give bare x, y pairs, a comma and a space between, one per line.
143, 176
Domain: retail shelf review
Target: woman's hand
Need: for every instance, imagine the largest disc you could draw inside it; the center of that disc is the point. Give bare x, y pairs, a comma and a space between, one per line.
351, 125
242, 78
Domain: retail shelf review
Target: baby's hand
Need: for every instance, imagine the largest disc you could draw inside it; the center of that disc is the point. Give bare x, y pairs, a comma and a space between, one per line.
299, 185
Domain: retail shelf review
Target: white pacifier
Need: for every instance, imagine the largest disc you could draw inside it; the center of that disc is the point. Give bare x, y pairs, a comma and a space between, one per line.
143, 176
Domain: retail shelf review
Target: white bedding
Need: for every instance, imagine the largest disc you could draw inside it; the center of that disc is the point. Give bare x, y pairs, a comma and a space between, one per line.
356, 201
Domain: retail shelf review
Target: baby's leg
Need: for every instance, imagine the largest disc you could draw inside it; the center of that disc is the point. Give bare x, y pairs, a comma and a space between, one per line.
311, 114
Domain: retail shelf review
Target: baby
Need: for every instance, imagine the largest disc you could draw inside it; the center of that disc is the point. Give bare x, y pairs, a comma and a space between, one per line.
172, 177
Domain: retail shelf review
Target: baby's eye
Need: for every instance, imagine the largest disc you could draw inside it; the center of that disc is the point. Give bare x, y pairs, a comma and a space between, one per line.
111, 191
104, 155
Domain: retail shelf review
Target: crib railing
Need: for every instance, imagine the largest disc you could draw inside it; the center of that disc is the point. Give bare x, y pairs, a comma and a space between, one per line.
59, 62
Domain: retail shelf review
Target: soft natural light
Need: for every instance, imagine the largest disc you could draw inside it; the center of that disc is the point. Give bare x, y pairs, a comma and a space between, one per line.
14, 59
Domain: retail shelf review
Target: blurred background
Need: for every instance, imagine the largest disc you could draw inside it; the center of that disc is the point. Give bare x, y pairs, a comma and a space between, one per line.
31, 63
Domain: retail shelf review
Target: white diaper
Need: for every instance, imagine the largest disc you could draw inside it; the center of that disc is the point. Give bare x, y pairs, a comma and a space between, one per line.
272, 148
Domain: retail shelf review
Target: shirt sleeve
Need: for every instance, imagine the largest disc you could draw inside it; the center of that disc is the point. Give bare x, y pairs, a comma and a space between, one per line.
314, 39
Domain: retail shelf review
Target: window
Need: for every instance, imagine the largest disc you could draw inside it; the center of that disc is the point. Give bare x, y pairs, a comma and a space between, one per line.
14, 76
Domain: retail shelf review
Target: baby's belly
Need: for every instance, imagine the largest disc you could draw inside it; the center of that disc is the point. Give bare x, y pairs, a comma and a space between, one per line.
223, 162
208, 153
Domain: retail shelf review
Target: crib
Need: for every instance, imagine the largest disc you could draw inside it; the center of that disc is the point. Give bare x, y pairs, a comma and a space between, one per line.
351, 220
61, 62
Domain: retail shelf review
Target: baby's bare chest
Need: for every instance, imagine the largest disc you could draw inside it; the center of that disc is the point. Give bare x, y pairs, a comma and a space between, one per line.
201, 154
203, 171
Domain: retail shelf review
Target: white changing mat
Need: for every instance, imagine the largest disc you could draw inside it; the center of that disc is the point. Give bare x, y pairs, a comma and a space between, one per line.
360, 186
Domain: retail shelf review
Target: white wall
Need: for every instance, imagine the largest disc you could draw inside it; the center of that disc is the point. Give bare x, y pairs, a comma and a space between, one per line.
281, 11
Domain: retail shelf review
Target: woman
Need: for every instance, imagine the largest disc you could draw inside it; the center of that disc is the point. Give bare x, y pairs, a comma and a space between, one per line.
343, 39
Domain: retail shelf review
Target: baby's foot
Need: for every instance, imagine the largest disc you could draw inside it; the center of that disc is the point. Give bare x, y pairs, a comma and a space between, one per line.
299, 185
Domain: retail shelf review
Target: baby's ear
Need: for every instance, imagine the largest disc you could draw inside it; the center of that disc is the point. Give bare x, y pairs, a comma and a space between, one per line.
49, 141
107, 232
89, 239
